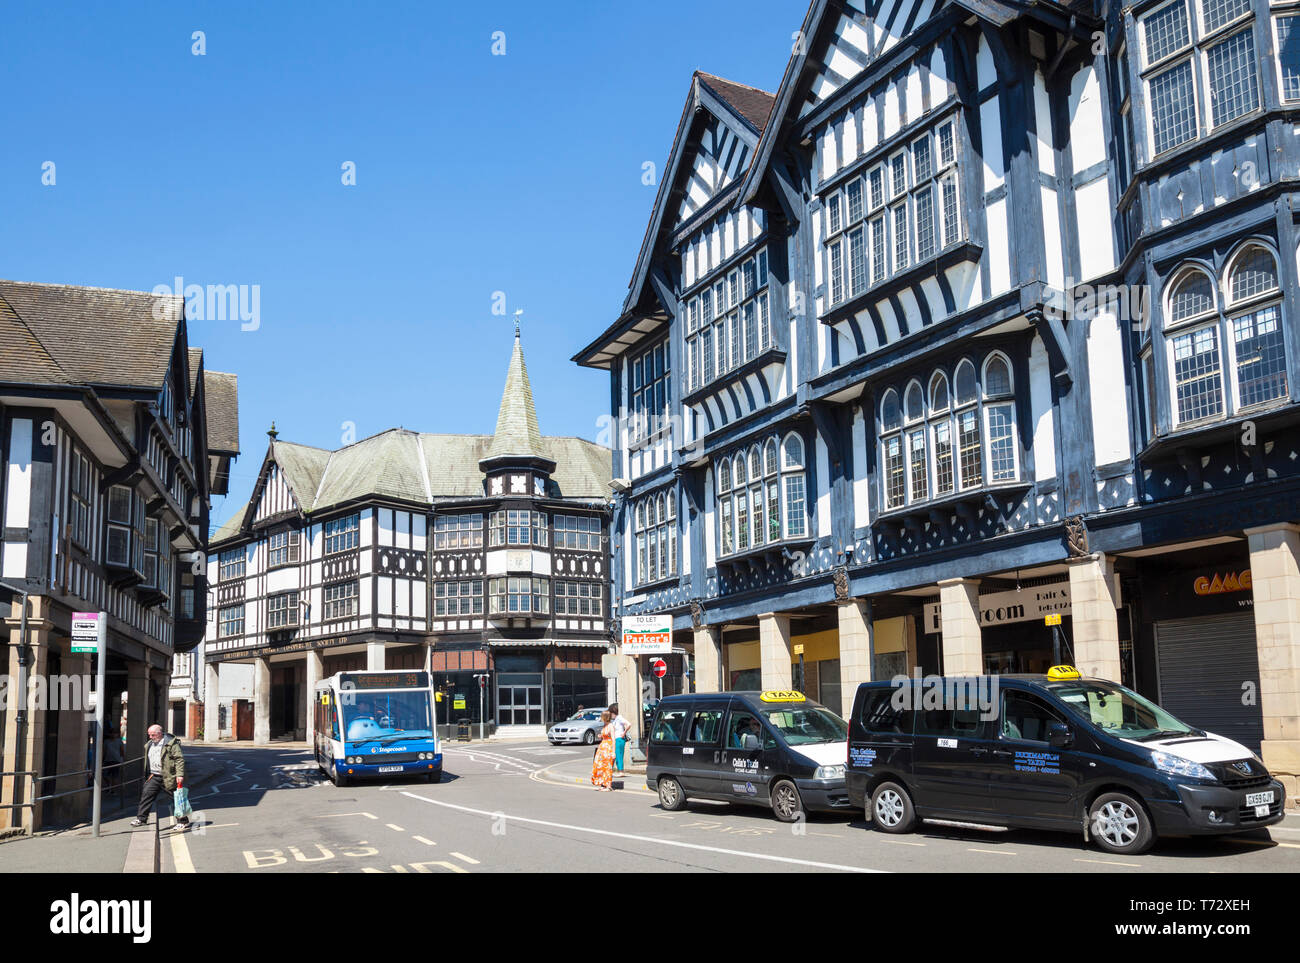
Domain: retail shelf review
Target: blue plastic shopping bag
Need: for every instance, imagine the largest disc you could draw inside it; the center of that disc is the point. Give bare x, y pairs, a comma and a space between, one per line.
181, 803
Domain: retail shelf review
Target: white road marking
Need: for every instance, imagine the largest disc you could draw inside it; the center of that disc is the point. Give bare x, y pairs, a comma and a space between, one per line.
395, 827
996, 852
901, 842
336, 815
472, 862
427, 842
181, 854
647, 839
1108, 862
496, 760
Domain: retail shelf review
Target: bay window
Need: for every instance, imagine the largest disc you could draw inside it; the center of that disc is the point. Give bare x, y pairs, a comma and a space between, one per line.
520, 596
341, 534
655, 532
1200, 68
935, 443
728, 321
340, 601
1225, 355
900, 212
761, 495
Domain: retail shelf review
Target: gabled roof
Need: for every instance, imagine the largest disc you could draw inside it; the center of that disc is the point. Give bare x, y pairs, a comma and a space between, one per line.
196, 365
827, 23
744, 110
98, 336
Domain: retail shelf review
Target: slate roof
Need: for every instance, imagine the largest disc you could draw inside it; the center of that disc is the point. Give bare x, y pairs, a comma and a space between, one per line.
751, 103
427, 468
517, 432
99, 336
221, 391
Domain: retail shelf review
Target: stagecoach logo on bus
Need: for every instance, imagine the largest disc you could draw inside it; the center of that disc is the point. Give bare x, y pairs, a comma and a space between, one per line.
932, 692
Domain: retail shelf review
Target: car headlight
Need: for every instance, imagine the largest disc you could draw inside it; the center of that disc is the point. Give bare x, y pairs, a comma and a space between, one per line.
1179, 766
829, 772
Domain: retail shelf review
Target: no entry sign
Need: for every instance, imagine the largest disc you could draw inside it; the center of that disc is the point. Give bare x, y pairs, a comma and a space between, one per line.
659, 667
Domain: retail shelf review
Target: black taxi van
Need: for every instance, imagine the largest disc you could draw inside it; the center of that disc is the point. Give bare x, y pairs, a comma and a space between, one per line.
1054, 751
777, 749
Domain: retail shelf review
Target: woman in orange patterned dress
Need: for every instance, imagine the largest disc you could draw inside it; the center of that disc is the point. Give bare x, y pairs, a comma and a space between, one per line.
602, 768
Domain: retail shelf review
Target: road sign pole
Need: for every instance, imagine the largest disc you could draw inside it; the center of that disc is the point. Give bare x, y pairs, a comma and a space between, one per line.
101, 640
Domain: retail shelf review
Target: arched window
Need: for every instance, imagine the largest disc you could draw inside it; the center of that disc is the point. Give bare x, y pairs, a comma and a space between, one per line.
890, 417
970, 461
753, 488
793, 450
997, 376
1258, 352
1221, 363
892, 460
999, 418
914, 403
656, 537
1190, 296
794, 488
938, 392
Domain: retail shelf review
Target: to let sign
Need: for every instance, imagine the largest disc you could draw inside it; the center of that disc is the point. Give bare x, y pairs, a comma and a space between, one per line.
647, 634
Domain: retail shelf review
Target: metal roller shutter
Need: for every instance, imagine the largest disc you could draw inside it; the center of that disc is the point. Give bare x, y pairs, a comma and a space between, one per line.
1203, 664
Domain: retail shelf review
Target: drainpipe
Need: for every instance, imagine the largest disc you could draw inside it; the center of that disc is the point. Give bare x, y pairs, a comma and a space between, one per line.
20, 717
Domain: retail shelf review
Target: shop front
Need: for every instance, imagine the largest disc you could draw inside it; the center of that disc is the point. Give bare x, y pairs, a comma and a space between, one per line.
1198, 642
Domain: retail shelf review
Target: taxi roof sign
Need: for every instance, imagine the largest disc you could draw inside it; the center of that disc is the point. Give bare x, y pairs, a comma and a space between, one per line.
1058, 672
782, 695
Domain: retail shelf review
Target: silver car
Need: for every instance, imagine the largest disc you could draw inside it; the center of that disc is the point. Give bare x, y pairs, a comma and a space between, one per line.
583, 727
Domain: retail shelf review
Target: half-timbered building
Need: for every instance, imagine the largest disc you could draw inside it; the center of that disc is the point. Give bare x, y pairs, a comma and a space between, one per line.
106, 415
994, 319
483, 558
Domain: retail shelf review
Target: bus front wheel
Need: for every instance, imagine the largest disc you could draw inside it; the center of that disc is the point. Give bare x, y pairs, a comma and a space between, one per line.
340, 780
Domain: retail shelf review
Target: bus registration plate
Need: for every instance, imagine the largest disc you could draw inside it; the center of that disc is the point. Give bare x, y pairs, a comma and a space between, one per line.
390, 768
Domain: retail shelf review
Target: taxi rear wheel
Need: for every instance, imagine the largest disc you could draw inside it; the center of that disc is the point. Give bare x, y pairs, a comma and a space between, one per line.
891, 808
787, 805
671, 796
1120, 824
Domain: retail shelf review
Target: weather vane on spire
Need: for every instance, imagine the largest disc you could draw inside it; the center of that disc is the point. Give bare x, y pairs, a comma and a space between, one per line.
518, 311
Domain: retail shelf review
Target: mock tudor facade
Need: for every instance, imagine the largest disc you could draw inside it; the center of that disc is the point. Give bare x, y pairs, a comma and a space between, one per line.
112, 444
987, 314
483, 558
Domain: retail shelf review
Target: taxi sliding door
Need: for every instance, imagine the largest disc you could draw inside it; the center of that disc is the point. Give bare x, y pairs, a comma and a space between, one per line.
950, 760
702, 749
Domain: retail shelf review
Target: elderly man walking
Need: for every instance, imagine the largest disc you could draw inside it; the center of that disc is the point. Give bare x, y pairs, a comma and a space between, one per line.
166, 774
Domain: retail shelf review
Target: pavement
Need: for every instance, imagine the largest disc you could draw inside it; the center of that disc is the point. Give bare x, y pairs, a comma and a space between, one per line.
119, 848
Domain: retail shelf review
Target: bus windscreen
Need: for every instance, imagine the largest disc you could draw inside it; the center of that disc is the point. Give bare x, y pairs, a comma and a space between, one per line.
386, 717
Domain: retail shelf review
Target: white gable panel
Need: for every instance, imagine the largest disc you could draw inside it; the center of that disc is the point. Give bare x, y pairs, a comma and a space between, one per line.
1110, 431
1040, 404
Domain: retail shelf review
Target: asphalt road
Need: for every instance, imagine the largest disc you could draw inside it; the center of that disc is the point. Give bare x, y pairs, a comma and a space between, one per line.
511, 807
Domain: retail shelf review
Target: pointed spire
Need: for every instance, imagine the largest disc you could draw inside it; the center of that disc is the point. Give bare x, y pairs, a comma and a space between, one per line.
517, 435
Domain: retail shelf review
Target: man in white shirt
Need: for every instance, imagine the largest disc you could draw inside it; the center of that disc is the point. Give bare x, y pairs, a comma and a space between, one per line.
621, 726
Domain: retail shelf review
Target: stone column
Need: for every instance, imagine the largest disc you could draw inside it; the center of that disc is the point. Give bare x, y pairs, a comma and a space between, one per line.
315, 672
774, 650
855, 650
261, 701
959, 620
374, 656
137, 724
1275, 581
628, 694
74, 735
27, 753
708, 660
211, 702
1093, 602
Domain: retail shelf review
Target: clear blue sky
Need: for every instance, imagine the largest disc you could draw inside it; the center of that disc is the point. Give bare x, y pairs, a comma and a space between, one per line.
475, 173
